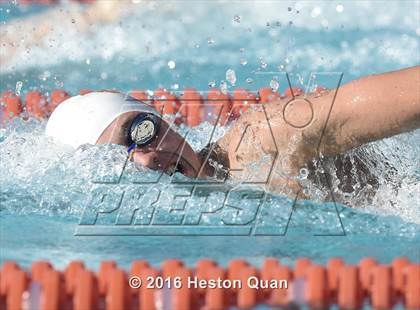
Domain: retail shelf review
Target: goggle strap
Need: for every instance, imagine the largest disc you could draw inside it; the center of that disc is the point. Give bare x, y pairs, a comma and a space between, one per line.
131, 148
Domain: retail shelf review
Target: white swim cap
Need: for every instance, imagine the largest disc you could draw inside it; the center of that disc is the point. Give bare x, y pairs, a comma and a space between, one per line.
82, 119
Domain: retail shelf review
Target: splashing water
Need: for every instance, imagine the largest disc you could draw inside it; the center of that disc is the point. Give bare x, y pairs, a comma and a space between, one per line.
45, 187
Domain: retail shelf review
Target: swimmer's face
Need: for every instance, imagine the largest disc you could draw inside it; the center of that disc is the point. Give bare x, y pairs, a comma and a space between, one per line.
169, 152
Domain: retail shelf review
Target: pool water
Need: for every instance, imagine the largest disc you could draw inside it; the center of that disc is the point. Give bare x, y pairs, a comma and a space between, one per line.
45, 188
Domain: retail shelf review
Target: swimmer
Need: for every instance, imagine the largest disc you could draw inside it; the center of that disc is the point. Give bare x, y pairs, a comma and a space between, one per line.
371, 108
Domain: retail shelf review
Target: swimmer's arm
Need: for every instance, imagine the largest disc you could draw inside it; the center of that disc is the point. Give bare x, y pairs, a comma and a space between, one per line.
372, 108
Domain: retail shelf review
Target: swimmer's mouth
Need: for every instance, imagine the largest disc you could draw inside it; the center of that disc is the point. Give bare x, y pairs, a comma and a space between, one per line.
178, 167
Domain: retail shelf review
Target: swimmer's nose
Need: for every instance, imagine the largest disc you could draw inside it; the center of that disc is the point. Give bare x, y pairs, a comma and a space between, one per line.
153, 161
149, 160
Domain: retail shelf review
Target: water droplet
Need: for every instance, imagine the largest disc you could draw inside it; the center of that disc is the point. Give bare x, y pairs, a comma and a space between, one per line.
249, 80
223, 87
231, 76
104, 75
289, 9
171, 64
339, 8
210, 40
242, 50
274, 84
263, 64
243, 62
303, 173
45, 75
316, 12
174, 86
237, 18
212, 84
88, 61
280, 68
19, 85
59, 84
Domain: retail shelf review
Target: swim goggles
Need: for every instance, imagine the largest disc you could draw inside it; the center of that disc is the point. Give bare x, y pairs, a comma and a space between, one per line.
142, 130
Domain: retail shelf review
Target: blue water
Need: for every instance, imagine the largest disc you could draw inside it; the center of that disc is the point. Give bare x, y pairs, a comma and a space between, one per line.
45, 188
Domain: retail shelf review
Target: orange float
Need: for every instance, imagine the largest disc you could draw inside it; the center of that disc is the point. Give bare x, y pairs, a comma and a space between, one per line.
36, 105
57, 97
202, 269
117, 292
84, 91
268, 271
381, 289
15, 288
316, 288
247, 296
412, 287
242, 99
366, 266
71, 274
148, 297
301, 265
333, 269
220, 107
398, 266
105, 269
53, 290
165, 102
279, 297
191, 107
266, 94
170, 266
38, 269
294, 91
349, 291
79, 288
86, 291
141, 95
11, 105
215, 299
182, 296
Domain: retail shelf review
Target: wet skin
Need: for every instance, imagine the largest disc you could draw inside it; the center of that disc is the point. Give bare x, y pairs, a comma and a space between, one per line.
368, 109
169, 151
